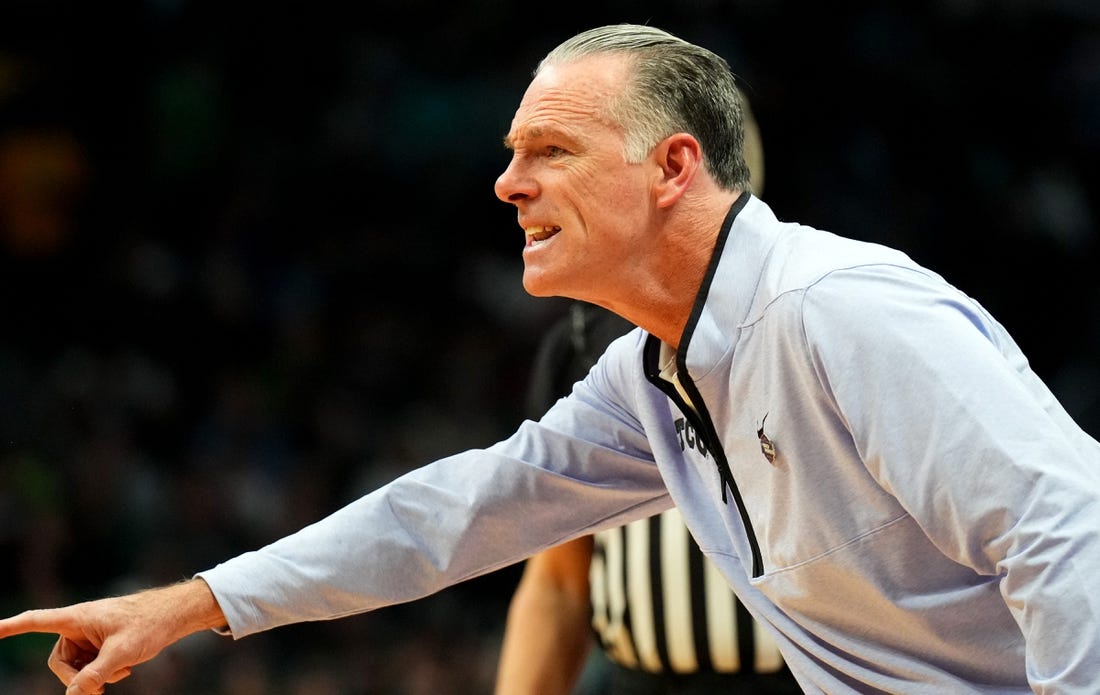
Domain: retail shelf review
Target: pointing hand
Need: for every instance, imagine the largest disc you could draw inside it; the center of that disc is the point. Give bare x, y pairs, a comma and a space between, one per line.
99, 642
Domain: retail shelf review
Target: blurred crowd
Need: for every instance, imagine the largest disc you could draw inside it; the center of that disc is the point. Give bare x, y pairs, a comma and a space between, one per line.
251, 267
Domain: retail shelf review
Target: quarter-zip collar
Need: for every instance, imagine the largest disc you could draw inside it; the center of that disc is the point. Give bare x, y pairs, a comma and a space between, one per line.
735, 290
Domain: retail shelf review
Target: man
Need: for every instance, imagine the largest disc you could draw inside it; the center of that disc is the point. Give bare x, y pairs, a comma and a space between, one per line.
665, 619
858, 446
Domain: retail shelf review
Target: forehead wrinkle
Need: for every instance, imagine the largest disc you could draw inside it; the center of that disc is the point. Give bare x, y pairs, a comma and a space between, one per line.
561, 100
584, 100
563, 117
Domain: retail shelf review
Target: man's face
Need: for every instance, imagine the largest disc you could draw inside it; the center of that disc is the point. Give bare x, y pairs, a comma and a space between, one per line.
584, 209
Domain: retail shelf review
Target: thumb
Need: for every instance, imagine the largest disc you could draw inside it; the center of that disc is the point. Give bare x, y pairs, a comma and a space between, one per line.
93, 677
88, 681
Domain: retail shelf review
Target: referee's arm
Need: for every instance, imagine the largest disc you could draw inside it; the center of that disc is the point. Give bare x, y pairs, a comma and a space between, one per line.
546, 638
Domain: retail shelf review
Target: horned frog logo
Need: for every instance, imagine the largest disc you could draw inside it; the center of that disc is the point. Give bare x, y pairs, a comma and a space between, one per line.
767, 446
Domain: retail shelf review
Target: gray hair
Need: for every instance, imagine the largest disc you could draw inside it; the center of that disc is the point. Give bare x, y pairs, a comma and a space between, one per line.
676, 87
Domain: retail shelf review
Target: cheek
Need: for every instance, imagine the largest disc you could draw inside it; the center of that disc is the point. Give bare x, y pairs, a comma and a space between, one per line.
604, 191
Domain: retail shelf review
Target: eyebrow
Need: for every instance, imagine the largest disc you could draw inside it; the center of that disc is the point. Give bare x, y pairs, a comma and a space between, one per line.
532, 132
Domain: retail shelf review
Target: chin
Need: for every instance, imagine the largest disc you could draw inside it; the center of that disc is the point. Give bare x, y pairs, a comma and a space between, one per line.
536, 286
536, 291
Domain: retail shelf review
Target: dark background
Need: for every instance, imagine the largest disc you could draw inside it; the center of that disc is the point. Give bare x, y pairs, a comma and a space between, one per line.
252, 266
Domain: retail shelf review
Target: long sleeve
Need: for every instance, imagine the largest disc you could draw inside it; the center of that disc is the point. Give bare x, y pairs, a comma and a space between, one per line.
447, 522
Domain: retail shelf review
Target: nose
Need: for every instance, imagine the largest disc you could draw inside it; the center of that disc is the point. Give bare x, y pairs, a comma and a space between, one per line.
513, 185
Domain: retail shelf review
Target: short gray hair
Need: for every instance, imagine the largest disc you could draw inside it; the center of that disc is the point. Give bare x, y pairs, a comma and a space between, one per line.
676, 87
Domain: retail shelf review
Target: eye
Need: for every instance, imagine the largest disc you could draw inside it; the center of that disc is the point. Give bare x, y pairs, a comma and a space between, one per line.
553, 151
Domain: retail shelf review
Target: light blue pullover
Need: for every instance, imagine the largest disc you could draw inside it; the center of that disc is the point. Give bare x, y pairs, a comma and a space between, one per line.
907, 506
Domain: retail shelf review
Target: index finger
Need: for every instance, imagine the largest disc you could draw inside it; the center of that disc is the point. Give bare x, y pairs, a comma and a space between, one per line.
39, 620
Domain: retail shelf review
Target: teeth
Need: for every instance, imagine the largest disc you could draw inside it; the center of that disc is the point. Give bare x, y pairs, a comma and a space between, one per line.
541, 233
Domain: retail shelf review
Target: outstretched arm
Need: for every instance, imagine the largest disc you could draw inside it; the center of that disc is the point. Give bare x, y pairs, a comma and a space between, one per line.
546, 637
101, 641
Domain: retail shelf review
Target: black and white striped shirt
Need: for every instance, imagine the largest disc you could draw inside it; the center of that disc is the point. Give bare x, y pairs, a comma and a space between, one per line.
673, 614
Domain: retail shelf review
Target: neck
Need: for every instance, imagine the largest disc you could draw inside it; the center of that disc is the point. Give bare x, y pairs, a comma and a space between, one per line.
663, 293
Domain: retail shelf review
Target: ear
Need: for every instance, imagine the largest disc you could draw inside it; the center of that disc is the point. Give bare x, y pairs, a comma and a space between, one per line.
679, 158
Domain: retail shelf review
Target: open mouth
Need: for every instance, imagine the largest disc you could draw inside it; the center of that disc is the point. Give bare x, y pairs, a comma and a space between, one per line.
537, 234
